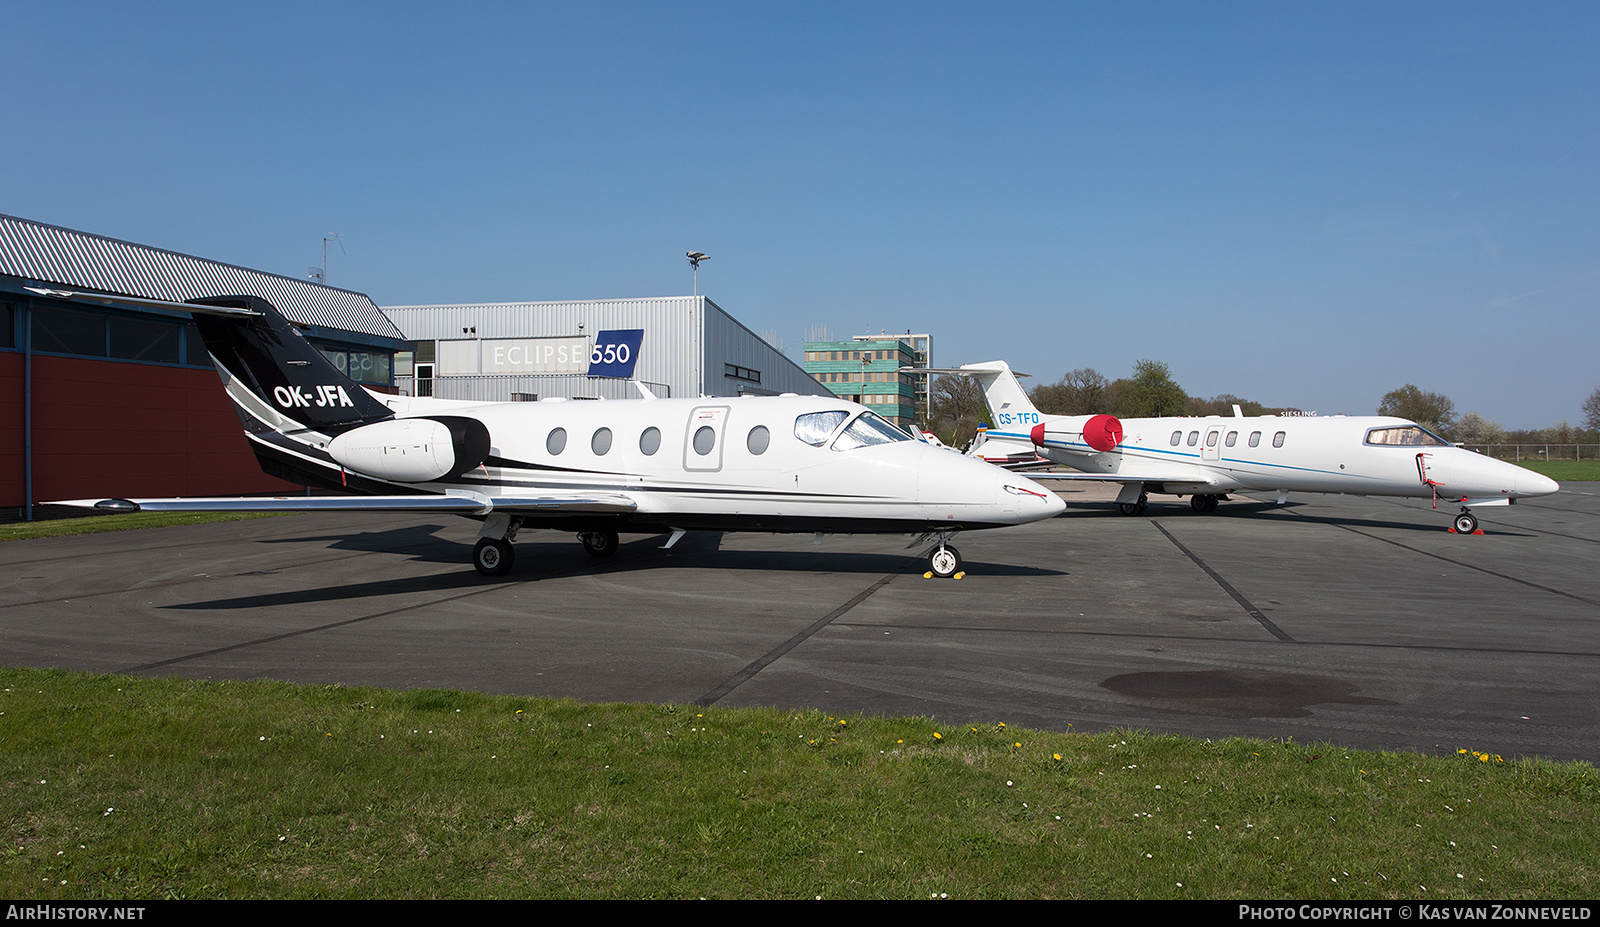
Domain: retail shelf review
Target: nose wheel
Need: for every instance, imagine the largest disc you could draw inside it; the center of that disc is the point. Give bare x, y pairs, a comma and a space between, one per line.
1466, 522
943, 561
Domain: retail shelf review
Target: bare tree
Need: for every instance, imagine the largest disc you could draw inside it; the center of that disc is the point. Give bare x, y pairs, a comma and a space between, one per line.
1079, 392
957, 407
1591, 411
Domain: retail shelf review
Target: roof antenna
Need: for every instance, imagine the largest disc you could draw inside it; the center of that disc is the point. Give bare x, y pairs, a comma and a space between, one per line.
321, 276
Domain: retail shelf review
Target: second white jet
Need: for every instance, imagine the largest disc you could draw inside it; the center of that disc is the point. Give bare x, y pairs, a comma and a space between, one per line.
1206, 458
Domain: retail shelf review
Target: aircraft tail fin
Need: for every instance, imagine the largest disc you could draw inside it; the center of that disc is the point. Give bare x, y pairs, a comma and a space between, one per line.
276, 378
1008, 401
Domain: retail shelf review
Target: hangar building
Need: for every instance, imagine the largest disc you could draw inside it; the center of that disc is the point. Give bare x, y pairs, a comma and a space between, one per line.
96, 401
682, 346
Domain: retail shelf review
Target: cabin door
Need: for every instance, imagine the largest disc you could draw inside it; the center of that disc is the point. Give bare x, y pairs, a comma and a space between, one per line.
1210, 449
702, 443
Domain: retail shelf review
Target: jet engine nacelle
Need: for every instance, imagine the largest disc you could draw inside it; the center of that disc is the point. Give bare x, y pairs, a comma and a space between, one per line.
1101, 432
413, 450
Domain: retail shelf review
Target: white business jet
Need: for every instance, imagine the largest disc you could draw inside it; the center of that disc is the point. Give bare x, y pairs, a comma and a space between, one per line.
776, 464
1206, 458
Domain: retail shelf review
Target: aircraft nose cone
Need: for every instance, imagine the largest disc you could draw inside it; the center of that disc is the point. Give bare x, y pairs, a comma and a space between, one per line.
1530, 483
1033, 501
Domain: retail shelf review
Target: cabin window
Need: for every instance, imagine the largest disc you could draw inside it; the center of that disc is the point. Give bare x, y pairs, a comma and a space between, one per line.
601, 442
1406, 436
758, 440
705, 438
1277, 439
1194, 438
556, 441
1177, 436
1211, 439
868, 429
814, 427
1233, 436
1255, 439
650, 441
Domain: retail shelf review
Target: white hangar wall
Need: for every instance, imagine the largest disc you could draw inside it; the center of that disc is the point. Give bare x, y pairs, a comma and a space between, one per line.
691, 347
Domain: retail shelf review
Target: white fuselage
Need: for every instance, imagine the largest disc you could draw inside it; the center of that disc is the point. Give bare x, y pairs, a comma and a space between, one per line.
1324, 454
749, 469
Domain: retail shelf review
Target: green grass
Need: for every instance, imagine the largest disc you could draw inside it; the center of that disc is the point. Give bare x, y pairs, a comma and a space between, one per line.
123, 787
1564, 470
94, 524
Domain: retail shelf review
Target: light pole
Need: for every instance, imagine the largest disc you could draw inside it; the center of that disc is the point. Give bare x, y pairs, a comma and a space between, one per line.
695, 258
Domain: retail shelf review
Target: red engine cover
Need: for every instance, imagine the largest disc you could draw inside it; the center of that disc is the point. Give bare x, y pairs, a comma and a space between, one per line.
1102, 432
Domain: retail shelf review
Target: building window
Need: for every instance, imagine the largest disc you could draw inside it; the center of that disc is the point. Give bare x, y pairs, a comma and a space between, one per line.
63, 331
8, 325
741, 373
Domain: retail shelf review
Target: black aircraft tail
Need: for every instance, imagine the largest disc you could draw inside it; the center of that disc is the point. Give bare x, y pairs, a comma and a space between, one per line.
263, 358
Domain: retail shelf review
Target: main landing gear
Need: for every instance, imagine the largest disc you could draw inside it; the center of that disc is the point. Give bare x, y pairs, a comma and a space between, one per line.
1203, 502
1135, 508
493, 556
599, 543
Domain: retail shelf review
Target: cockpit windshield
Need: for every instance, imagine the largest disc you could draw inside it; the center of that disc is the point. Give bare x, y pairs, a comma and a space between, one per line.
814, 427
1405, 436
868, 429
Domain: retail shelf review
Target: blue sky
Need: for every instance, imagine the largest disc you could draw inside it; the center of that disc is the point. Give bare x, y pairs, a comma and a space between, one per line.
1302, 204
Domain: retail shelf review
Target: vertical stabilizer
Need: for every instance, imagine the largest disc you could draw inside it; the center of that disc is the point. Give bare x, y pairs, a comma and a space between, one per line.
266, 362
1007, 400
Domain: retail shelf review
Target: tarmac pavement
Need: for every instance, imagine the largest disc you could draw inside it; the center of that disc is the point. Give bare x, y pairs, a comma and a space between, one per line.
1363, 622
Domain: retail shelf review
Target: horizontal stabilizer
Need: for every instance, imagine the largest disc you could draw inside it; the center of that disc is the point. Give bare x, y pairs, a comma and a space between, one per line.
105, 299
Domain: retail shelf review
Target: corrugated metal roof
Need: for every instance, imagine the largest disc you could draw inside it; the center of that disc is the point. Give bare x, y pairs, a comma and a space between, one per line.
49, 254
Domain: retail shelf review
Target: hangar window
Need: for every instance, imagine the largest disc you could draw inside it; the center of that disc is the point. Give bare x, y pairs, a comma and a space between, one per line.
705, 438
556, 442
1194, 438
1231, 439
650, 441
868, 429
758, 440
62, 331
1177, 436
1255, 439
144, 339
601, 442
1405, 435
814, 427
1277, 439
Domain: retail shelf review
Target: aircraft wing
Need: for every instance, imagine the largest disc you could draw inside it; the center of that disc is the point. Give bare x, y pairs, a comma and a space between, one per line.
1186, 478
465, 503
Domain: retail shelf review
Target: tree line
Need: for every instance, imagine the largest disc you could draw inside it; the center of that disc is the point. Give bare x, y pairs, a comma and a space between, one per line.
957, 407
